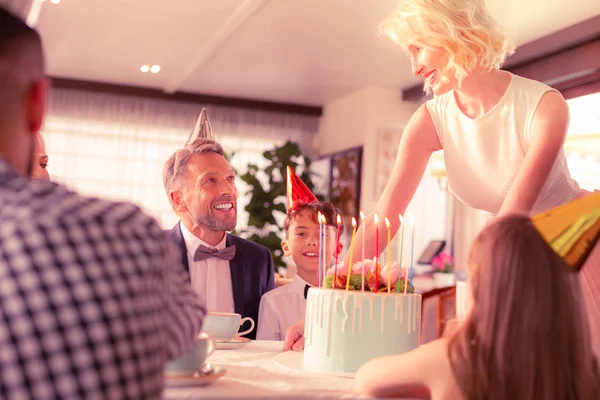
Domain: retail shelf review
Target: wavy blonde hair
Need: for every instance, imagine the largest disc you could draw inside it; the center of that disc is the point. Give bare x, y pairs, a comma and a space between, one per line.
464, 29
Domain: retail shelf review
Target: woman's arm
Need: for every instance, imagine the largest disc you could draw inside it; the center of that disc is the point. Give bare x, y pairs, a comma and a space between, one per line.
547, 135
403, 375
418, 141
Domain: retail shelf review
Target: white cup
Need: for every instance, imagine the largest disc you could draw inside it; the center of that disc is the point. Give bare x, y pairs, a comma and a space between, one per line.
191, 361
225, 326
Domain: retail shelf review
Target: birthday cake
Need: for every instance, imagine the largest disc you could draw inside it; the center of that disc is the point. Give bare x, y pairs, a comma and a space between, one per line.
354, 323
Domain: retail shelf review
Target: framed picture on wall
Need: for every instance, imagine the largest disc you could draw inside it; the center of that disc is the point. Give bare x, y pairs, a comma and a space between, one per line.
338, 177
346, 176
346, 171
387, 148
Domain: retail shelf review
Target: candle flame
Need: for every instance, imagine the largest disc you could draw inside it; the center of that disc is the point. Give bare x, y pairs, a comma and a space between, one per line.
387, 223
339, 219
362, 216
401, 218
319, 219
324, 219
353, 222
376, 218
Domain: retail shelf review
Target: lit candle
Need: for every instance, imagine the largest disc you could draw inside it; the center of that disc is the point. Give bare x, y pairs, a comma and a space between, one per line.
351, 253
362, 223
376, 219
337, 246
406, 281
320, 272
389, 256
412, 248
325, 230
400, 252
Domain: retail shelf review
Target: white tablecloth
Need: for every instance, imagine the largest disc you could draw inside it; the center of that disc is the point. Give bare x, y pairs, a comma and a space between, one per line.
253, 374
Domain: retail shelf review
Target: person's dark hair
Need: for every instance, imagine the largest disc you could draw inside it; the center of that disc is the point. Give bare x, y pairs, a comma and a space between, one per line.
527, 336
326, 208
21, 60
15, 34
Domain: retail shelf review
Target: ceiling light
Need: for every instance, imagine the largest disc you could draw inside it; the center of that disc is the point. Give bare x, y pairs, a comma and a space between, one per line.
145, 68
54, 1
155, 69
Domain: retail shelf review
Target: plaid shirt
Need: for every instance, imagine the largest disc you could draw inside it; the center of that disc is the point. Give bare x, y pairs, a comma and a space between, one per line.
92, 302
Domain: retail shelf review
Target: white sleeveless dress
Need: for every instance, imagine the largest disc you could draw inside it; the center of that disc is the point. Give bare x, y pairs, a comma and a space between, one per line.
483, 156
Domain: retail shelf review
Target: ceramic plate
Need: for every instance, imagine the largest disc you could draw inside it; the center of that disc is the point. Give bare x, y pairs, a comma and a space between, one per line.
197, 380
294, 360
232, 344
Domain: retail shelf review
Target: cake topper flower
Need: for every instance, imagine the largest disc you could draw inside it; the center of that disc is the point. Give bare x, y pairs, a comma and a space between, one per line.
368, 268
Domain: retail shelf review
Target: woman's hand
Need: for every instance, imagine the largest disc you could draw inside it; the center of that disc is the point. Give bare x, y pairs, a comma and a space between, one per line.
419, 140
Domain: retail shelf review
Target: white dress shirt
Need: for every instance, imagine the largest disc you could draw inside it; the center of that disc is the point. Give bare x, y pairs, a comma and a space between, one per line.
211, 278
281, 308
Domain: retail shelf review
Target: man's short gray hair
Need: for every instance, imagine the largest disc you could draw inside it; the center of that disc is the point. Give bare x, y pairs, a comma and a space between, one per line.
175, 166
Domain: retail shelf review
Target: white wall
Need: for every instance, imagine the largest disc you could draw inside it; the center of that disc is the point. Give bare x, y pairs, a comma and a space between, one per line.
354, 120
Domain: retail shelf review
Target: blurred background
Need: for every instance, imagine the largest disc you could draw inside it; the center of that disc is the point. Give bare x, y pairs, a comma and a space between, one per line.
305, 82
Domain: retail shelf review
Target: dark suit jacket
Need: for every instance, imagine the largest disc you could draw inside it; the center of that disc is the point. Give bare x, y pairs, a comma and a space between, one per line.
251, 273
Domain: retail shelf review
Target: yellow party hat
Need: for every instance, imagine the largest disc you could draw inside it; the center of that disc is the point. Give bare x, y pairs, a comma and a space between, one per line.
572, 229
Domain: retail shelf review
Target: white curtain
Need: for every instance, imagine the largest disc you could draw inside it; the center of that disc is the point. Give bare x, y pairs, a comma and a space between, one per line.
114, 146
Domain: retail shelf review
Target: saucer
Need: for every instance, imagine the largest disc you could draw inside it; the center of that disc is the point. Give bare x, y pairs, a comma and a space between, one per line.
232, 344
295, 360
196, 380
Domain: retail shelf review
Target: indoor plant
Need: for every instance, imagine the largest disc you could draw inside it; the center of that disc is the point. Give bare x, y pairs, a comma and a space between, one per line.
443, 269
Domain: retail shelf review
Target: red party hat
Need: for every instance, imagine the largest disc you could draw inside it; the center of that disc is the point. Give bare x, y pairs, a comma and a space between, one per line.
297, 192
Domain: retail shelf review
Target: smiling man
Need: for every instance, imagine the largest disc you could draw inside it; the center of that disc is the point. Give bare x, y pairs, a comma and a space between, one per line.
230, 274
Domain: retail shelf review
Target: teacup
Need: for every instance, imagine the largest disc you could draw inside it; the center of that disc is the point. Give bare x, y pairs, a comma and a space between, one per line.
464, 300
193, 359
225, 326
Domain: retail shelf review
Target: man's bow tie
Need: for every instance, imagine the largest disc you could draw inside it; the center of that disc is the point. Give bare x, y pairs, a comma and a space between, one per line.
306, 290
204, 252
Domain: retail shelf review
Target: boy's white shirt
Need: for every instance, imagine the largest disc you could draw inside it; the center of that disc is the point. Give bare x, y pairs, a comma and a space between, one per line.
280, 309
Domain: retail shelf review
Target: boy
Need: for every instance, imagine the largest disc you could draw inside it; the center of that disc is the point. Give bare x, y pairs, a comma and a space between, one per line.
284, 306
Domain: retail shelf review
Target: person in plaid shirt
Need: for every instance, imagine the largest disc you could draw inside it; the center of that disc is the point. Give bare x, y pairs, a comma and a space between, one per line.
92, 301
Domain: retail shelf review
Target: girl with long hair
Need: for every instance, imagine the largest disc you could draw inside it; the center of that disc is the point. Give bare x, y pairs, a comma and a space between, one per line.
526, 336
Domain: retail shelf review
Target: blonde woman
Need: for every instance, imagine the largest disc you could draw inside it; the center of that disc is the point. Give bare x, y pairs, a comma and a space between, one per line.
502, 134
526, 337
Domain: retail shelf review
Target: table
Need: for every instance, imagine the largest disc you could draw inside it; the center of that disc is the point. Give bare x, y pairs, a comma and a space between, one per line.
253, 374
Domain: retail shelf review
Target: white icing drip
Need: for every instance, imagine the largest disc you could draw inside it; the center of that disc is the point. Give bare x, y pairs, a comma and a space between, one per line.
383, 298
409, 310
308, 323
345, 310
398, 315
319, 320
328, 323
415, 317
357, 309
325, 305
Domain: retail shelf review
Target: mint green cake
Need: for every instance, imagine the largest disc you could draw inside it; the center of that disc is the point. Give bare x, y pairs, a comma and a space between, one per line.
345, 329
